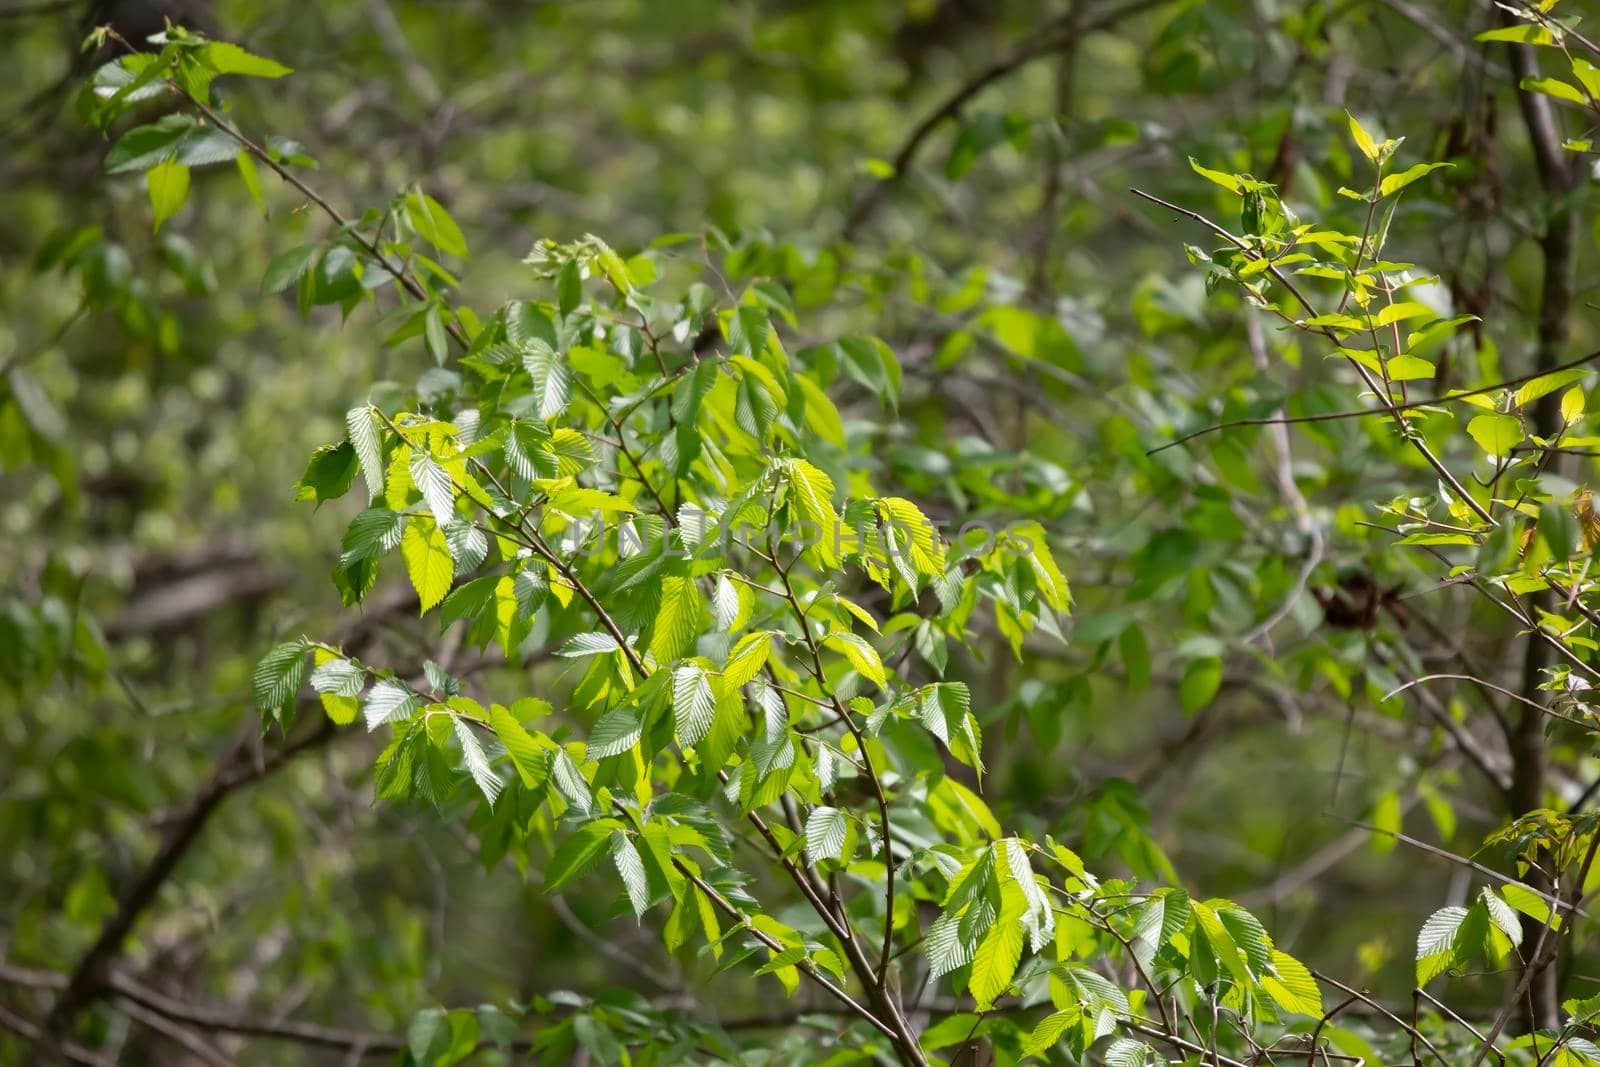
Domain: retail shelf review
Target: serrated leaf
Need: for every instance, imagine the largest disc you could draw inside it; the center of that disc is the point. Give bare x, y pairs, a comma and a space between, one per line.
694, 704
1126, 1052
1502, 915
943, 947
1436, 942
995, 961
527, 756
914, 534
569, 781
589, 644
428, 562
862, 656
389, 701
362, 426
747, 658
1291, 985
726, 604
468, 545
617, 731
631, 868
579, 853
679, 619
552, 378
278, 675
826, 829
477, 761
437, 490
1049, 1030
812, 493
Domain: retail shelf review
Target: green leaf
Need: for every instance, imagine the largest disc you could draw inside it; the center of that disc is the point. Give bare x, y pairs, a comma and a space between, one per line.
812, 492
862, 656
569, 781
617, 731
1525, 33
694, 704
527, 755
914, 533
1554, 87
278, 675
1558, 529
362, 425
373, 532
389, 701
330, 473
168, 184
1401, 312
1409, 369
944, 947
1230, 182
437, 490
1572, 404
429, 218
1496, 434
825, 833
590, 644
251, 178
1049, 1030
747, 658
1393, 183
226, 58
996, 959
1502, 915
1202, 678
1363, 139
1546, 384
631, 868
286, 269
1386, 819
579, 853
1126, 1052
428, 562
552, 378
477, 761
1292, 986
144, 147
1436, 942
679, 620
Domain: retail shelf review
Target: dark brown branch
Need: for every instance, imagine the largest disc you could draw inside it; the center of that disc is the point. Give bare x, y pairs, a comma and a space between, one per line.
1053, 36
238, 766
76, 1053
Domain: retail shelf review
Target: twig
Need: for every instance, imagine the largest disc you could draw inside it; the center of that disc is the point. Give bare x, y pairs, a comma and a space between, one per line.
1053, 36
1383, 409
1421, 447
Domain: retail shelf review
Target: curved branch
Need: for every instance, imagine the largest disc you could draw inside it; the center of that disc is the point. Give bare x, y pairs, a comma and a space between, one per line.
1057, 34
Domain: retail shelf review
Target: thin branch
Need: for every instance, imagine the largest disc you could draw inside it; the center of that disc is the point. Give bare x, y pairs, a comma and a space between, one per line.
1464, 861
1502, 690
1421, 447
806, 967
238, 766
1382, 409
1055, 35
76, 1053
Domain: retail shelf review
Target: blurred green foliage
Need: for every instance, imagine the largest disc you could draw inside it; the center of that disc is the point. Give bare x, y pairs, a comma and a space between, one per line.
931, 199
